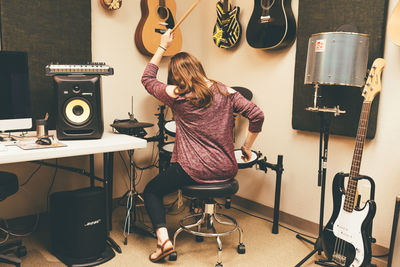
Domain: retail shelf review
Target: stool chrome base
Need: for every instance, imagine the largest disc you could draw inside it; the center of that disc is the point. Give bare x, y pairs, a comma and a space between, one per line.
209, 218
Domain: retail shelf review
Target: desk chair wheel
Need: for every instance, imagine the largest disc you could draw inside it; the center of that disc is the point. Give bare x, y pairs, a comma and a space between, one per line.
241, 249
219, 264
21, 251
173, 256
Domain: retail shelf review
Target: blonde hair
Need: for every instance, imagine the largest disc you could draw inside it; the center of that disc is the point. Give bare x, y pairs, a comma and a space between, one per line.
186, 72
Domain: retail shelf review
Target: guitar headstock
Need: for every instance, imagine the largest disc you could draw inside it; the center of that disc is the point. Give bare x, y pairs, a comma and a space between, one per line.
373, 84
111, 4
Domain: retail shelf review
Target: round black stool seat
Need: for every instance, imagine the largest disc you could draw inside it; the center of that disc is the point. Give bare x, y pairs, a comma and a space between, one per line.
8, 184
204, 191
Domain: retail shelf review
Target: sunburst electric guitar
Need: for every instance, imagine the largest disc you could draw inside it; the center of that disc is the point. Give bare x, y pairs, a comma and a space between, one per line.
227, 30
346, 239
157, 17
271, 25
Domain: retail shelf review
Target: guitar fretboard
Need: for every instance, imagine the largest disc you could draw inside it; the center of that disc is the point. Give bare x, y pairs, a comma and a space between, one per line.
351, 192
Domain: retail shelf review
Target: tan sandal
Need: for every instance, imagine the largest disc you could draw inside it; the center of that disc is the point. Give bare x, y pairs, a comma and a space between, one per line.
163, 253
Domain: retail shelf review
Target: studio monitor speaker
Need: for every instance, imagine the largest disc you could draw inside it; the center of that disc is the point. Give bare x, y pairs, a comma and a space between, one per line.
79, 110
78, 225
394, 251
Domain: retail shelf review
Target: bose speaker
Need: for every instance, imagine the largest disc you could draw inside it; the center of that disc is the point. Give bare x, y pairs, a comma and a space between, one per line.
78, 227
79, 109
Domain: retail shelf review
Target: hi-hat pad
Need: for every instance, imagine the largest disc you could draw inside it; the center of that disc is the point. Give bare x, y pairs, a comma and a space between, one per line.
131, 127
131, 124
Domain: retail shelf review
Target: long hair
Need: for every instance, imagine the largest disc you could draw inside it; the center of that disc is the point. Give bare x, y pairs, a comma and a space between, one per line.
186, 72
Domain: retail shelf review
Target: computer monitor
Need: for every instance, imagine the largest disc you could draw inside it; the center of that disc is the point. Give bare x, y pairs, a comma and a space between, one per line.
15, 112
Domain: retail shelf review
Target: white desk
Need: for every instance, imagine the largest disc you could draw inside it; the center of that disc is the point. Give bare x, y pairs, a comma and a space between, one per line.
110, 142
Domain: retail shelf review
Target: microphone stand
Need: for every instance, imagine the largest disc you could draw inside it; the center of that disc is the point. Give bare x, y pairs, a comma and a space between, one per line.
323, 158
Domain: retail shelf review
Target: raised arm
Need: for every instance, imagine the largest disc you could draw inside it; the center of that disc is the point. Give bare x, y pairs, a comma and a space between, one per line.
159, 90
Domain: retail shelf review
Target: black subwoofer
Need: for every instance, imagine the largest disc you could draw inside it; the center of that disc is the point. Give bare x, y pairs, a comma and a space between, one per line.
79, 109
78, 227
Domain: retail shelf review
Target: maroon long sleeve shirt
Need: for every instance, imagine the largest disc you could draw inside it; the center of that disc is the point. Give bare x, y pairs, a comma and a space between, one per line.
204, 136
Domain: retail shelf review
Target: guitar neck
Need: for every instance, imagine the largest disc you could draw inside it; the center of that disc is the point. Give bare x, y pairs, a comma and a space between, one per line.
351, 192
161, 3
226, 6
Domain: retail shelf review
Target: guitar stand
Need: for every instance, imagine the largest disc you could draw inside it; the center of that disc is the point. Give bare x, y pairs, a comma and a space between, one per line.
278, 168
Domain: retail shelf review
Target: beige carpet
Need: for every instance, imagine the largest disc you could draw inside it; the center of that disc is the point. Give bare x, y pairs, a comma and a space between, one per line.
262, 247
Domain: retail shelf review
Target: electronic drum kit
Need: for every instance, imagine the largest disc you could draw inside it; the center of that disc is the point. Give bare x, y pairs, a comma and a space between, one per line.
133, 127
168, 128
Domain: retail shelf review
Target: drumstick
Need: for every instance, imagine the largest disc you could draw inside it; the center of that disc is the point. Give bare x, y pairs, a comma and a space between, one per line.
185, 15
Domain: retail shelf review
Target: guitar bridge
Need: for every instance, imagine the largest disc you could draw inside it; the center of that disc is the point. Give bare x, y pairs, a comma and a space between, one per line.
339, 259
265, 19
160, 31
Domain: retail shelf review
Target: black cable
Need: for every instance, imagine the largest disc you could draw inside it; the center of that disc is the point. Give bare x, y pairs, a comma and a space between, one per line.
256, 216
259, 217
30, 177
51, 185
126, 168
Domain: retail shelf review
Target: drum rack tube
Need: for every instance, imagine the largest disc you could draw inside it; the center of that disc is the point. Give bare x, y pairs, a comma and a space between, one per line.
278, 168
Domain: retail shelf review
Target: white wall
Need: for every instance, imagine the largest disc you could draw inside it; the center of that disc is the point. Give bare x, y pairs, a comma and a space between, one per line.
270, 76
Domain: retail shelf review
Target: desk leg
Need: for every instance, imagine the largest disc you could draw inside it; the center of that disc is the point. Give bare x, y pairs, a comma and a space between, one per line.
108, 162
108, 185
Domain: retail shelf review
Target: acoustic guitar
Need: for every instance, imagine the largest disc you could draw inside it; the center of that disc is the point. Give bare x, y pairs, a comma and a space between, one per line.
393, 28
227, 30
157, 17
346, 238
271, 25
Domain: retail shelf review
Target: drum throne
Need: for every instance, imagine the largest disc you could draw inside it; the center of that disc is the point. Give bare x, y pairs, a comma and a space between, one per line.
205, 223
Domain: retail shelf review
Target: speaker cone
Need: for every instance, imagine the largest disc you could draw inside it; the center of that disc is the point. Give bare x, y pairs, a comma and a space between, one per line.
78, 111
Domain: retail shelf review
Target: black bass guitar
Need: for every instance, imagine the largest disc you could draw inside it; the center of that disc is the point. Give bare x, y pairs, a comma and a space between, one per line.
272, 25
345, 239
227, 30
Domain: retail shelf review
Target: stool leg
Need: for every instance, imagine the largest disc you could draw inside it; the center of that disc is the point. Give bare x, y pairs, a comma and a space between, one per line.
198, 223
241, 247
219, 260
219, 243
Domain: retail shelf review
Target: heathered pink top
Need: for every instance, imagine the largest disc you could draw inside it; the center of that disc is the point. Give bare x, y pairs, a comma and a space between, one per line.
204, 136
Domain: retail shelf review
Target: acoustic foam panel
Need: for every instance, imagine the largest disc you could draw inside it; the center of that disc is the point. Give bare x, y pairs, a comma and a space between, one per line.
369, 16
49, 31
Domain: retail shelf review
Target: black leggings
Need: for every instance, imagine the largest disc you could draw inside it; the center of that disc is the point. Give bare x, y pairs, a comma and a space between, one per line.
163, 184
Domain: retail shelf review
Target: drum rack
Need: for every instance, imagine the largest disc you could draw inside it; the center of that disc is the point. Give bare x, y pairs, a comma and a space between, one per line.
278, 168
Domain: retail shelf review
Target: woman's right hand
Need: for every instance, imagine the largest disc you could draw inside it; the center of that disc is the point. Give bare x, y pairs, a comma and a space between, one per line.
246, 152
167, 38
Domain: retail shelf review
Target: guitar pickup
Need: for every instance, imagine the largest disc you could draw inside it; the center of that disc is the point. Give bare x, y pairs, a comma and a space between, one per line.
265, 19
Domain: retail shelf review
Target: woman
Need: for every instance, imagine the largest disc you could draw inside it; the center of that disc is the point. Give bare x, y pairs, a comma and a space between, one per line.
203, 150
